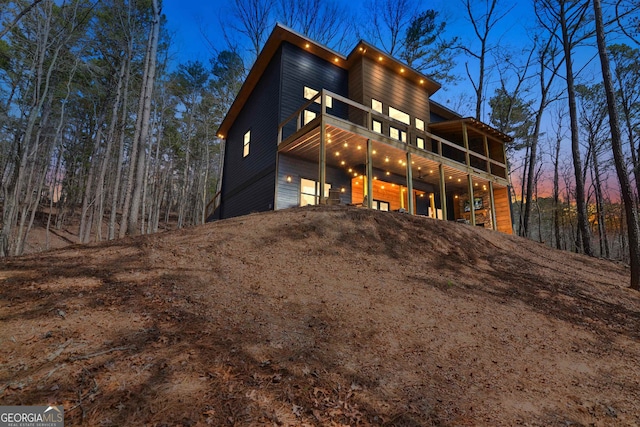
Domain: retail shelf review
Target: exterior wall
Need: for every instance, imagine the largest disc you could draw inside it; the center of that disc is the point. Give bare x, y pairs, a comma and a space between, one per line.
503, 210
300, 69
248, 182
289, 192
392, 89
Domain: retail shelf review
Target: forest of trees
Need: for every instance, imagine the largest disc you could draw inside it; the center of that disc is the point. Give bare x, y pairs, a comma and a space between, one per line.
101, 125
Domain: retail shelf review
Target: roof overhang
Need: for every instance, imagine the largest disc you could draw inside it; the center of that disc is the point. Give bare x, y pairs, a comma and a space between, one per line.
451, 125
365, 49
279, 34
282, 34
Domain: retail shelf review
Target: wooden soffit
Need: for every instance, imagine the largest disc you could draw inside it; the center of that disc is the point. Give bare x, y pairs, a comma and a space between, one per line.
455, 126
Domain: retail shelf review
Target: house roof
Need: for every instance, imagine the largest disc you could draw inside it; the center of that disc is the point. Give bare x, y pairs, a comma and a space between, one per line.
391, 63
282, 33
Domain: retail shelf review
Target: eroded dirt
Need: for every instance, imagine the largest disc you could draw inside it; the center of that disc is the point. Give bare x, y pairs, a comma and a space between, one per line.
321, 316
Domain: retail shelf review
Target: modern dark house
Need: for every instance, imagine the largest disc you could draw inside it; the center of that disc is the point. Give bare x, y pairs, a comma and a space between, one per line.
310, 126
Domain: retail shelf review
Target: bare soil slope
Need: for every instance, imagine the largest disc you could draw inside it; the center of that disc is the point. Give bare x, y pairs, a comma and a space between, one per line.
321, 316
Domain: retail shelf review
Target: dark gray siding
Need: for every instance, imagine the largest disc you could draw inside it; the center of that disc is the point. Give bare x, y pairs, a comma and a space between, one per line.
248, 183
299, 69
289, 192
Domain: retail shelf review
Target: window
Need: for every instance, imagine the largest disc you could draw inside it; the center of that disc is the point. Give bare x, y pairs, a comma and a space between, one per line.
377, 126
419, 124
247, 141
309, 191
397, 134
308, 116
399, 116
420, 142
376, 105
380, 205
310, 93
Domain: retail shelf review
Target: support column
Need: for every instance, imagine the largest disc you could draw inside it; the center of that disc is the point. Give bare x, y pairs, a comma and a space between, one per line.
486, 153
322, 163
443, 194
409, 185
369, 174
465, 139
493, 207
472, 211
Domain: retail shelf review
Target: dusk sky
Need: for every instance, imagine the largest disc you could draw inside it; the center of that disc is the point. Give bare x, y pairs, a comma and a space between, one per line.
188, 19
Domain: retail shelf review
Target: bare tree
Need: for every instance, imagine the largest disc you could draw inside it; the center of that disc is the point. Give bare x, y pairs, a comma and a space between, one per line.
145, 100
571, 16
325, 21
483, 20
618, 155
253, 19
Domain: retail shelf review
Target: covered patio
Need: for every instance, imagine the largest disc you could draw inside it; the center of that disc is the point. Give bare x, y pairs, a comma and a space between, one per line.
456, 170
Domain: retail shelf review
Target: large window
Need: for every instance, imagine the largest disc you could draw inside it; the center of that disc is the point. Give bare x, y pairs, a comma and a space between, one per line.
247, 141
310, 93
376, 105
310, 190
399, 116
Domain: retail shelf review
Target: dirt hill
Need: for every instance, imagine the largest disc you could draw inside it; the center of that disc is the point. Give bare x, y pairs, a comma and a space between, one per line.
321, 317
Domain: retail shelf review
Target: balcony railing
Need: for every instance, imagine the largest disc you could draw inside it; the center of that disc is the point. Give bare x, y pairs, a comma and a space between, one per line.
363, 117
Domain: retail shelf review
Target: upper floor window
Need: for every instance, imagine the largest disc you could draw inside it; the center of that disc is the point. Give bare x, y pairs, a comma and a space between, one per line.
419, 124
310, 93
376, 105
397, 134
376, 126
247, 141
420, 142
400, 116
308, 116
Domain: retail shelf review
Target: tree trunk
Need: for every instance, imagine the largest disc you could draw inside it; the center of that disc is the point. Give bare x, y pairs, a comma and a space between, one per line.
618, 154
583, 220
147, 91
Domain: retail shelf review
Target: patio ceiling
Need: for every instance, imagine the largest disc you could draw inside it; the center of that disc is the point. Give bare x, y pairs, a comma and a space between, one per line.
347, 150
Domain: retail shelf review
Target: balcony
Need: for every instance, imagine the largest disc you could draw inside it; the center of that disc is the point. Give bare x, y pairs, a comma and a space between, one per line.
453, 158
